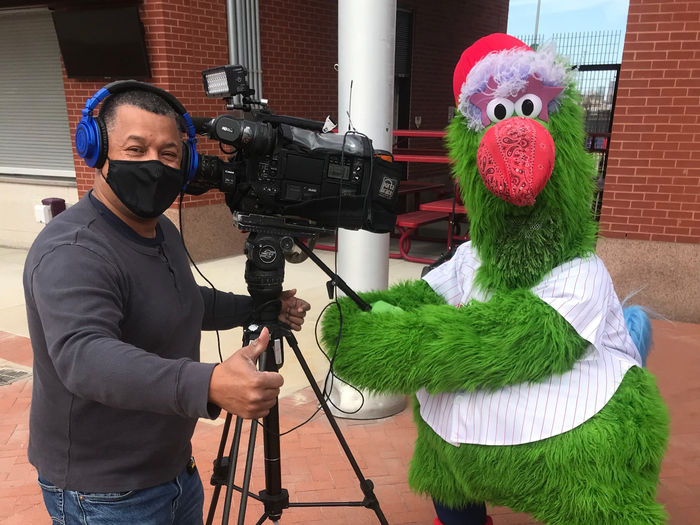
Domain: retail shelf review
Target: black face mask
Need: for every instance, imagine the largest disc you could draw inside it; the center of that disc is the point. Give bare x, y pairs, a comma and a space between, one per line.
147, 188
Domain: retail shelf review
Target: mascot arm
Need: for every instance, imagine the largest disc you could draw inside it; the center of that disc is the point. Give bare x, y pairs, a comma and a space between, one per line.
514, 337
407, 295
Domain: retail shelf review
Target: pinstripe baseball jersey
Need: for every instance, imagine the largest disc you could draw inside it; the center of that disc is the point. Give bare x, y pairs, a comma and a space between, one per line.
581, 290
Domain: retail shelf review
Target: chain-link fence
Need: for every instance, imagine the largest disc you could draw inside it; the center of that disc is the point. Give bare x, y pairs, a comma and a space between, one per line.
596, 58
595, 47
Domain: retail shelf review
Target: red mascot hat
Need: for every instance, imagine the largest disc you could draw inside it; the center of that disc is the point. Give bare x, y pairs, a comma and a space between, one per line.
477, 51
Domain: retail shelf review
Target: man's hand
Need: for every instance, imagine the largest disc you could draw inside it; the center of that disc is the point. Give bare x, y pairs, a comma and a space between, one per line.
293, 310
238, 387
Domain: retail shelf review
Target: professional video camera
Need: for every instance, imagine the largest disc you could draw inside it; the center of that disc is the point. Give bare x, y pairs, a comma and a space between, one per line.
285, 166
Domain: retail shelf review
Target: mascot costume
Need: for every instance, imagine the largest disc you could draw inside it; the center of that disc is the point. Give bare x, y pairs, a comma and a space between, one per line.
528, 377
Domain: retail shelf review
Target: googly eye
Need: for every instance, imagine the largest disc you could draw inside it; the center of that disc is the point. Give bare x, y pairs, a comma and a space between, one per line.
528, 105
499, 109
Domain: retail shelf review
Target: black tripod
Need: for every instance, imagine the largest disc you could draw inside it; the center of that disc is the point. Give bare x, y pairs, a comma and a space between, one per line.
264, 274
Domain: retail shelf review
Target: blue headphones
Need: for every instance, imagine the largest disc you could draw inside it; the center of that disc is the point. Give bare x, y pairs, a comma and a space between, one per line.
91, 133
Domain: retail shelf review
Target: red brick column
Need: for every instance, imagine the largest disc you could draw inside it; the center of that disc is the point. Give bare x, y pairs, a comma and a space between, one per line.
652, 187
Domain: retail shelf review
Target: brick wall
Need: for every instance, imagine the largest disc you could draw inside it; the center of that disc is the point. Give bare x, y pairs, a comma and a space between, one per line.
652, 187
441, 31
299, 47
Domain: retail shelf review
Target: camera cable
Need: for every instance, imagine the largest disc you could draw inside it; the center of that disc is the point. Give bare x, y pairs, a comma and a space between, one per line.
194, 264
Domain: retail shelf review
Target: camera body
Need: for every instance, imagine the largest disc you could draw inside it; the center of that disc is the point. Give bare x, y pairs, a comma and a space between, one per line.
280, 168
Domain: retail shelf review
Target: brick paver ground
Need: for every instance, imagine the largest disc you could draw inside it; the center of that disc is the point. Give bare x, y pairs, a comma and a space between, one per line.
314, 468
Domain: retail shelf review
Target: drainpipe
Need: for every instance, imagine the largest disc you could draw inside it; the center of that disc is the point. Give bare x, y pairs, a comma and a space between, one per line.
243, 30
255, 65
231, 31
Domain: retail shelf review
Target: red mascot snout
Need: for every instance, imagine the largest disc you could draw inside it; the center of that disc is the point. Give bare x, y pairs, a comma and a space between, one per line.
515, 159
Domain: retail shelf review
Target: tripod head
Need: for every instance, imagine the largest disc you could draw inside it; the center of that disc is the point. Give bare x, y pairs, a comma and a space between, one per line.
288, 234
264, 273
270, 239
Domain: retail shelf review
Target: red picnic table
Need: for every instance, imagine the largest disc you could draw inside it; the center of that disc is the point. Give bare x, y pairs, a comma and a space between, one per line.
428, 212
444, 205
453, 209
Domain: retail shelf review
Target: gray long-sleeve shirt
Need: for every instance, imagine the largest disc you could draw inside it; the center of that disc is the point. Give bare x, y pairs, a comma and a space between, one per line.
115, 322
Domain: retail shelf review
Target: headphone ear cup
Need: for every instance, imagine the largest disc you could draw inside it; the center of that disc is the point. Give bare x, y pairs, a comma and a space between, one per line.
87, 140
104, 145
185, 161
190, 161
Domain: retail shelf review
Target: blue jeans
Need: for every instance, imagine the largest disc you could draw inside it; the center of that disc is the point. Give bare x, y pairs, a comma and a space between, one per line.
177, 502
474, 514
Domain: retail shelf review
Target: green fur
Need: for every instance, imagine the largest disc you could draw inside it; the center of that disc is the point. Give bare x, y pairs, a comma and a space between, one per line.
569, 479
519, 246
443, 348
604, 471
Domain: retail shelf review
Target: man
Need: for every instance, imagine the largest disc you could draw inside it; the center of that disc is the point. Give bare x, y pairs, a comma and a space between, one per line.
115, 318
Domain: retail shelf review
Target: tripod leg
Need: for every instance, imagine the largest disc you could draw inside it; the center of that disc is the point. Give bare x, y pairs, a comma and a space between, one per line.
248, 469
232, 461
265, 517
217, 468
365, 484
274, 497
212, 506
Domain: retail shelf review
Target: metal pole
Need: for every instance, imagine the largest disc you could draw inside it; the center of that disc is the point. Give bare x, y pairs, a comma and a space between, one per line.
240, 32
256, 54
537, 23
231, 28
366, 39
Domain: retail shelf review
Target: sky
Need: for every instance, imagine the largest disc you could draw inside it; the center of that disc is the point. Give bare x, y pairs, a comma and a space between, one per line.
567, 16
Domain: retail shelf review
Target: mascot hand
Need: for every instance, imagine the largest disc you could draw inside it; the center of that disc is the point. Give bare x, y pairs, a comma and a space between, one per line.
365, 362
383, 307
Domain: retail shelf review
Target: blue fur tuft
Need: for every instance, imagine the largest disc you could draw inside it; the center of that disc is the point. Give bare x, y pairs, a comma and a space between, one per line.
639, 327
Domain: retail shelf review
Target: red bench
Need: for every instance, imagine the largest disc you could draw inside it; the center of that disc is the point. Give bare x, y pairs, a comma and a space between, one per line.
407, 224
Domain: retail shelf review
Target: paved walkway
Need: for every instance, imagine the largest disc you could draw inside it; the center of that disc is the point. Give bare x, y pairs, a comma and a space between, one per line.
314, 468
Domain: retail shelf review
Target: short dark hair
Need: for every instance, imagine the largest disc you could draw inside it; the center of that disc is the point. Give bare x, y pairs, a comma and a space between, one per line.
146, 100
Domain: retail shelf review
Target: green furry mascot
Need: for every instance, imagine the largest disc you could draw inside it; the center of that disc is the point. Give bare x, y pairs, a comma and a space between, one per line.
530, 391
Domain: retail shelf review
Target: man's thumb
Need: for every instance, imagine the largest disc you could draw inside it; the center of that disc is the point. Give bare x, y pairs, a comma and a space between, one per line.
257, 347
